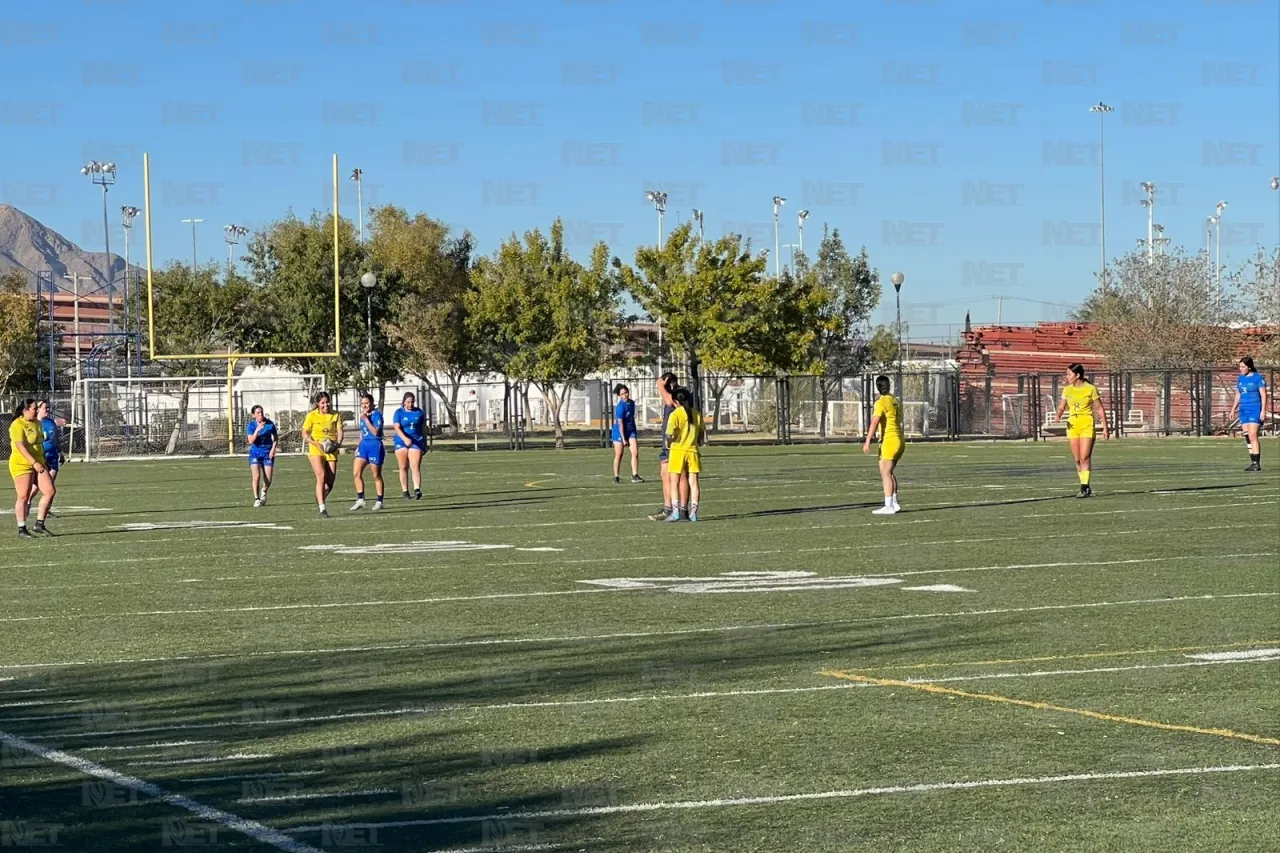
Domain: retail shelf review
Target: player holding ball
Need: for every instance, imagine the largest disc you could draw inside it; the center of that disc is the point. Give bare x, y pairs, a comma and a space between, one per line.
323, 433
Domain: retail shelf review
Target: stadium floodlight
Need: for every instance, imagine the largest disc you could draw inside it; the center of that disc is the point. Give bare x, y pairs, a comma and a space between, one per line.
800, 218
898, 278
697, 215
357, 175
1217, 239
232, 234
778, 202
1102, 109
230, 356
1275, 183
104, 175
1150, 204
659, 200
127, 214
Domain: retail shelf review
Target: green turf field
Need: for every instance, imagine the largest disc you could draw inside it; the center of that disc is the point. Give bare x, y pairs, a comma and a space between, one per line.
521, 661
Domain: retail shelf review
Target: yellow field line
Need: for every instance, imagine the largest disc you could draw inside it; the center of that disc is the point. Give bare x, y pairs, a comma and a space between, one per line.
1045, 706
1082, 656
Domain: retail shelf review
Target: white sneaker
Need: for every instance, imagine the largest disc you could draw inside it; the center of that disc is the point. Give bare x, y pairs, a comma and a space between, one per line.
262, 501
377, 506
885, 510
359, 504
257, 503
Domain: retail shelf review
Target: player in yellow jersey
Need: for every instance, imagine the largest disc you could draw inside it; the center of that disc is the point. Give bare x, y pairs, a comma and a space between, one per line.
323, 433
887, 417
1081, 400
684, 434
28, 469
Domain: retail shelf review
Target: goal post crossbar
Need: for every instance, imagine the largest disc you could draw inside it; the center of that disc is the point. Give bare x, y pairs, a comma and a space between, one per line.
235, 356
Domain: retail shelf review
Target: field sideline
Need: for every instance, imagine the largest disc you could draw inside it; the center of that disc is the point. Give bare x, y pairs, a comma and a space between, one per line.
522, 661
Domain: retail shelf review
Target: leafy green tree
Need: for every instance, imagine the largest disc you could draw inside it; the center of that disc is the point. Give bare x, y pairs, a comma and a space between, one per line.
195, 312
847, 291
18, 317
545, 319
1258, 282
428, 273
882, 349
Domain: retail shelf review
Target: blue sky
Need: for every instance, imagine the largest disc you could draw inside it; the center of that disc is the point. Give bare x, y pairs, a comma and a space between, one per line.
952, 139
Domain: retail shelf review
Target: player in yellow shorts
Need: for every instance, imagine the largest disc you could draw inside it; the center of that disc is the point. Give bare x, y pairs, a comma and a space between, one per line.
28, 469
323, 432
684, 433
1081, 400
887, 416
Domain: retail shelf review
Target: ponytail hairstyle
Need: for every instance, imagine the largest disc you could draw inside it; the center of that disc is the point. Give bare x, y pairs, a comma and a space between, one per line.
882, 385
684, 399
619, 388
258, 409
1247, 361
23, 405
1078, 369
408, 395
669, 383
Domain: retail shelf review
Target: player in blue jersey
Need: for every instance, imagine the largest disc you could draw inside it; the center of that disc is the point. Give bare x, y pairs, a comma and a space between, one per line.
410, 424
371, 452
52, 443
625, 434
262, 437
1251, 403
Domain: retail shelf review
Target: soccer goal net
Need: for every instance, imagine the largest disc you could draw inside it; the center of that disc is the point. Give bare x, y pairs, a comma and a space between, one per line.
185, 415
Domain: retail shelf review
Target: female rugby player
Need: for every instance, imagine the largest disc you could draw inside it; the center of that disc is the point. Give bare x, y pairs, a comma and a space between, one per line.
684, 432
323, 432
261, 435
1083, 401
409, 442
625, 434
887, 414
27, 468
370, 451
1251, 403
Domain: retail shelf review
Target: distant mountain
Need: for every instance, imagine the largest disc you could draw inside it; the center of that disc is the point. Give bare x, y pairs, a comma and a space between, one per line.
29, 245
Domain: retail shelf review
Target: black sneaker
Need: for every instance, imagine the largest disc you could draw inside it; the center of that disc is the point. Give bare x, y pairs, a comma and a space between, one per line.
40, 530
1253, 466
417, 494
636, 478
661, 515
1088, 491
408, 496
324, 513
617, 480
23, 534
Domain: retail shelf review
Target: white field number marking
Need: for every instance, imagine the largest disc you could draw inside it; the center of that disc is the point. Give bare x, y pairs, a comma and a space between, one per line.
938, 587
142, 526
413, 548
1247, 654
746, 582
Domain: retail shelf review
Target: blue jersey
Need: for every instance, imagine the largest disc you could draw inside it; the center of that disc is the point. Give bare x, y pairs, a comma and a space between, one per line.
624, 417
1250, 386
50, 427
265, 439
376, 434
411, 423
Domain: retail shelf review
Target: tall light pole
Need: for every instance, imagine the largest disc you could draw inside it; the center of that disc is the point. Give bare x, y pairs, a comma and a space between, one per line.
1208, 249
659, 200
1162, 240
193, 242
1217, 239
231, 234
127, 213
369, 281
1150, 204
897, 279
357, 175
800, 218
104, 174
1102, 109
1275, 185
697, 217
778, 202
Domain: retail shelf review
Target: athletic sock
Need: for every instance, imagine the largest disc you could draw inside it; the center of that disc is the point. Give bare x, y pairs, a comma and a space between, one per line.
322, 508
888, 500
1255, 458
379, 498
693, 509
359, 496
1084, 478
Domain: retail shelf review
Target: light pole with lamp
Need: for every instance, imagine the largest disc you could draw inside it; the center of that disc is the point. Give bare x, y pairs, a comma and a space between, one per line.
193, 242
1150, 204
778, 202
697, 217
800, 218
897, 279
232, 234
127, 214
1162, 240
357, 175
1275, 185
369, 281
1217, 240
104, 175
659, 200
1102, 109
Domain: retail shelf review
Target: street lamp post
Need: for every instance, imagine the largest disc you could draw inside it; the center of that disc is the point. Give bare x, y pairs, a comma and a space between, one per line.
1102, 109
800, 218
1275, 185
1162, 240
778, 202
1150, 204
193, 242
1208, 249
127, 213
232, 234
697, 216
897, 279
104, 174
1217, 239
659, 200
357, 175
369, 281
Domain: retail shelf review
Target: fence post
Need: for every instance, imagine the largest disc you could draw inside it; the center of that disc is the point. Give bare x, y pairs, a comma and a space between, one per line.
953, 406
606, 412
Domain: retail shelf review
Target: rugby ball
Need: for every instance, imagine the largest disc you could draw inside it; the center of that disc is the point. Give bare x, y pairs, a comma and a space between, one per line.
329, 445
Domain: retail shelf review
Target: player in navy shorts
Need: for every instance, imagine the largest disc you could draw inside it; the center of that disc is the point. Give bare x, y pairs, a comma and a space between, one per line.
52, 442
625, 434
1251, 402
370, 452
410, 442
262, 435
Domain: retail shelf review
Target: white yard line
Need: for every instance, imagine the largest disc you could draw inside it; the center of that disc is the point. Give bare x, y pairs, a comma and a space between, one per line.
317, 795
243, 776
627, 635
617, 700
162, 745
253, 829
921, 788
214, 759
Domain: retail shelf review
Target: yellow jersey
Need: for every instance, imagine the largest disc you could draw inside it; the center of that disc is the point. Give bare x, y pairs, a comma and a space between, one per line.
889, 406
682, 434
319, 427
30, 433
1080, 400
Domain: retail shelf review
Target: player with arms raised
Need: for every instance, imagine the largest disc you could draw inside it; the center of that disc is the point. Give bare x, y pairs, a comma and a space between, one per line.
1251, 403
1083, 400
322, 430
